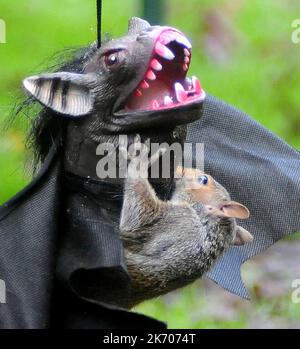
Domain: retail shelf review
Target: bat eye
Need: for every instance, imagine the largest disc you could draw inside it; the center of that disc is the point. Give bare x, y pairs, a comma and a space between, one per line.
112, 59
203, 180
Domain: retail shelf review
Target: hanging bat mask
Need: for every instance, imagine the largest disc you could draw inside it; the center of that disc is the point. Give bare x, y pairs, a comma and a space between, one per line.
64, 226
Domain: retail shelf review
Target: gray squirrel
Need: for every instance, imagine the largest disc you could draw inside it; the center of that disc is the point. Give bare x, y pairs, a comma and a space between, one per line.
169, 244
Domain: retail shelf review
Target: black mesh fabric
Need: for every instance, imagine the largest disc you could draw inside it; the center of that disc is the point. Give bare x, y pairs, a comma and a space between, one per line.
56, 248
28, 234
50, 244
260, 171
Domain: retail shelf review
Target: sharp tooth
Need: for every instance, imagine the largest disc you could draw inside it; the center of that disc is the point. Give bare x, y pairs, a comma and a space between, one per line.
154, 104
144, 85
168, 100
156, 65
181, 95
187, 52
150, 75
138, 93
185, 67
196, 84
183, 41
164, 52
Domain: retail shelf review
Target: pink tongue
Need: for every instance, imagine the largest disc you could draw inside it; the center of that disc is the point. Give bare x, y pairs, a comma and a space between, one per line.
157, 92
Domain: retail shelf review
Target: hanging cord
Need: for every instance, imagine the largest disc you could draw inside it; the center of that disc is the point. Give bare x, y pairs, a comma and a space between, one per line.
99, 22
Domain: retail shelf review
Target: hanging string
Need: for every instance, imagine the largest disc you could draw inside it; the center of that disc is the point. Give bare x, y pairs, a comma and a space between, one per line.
99, 22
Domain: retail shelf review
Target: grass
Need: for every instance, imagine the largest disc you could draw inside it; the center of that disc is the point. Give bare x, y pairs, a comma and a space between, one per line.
242, 52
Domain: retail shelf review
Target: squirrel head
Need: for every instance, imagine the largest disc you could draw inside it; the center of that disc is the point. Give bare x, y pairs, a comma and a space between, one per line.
199, 187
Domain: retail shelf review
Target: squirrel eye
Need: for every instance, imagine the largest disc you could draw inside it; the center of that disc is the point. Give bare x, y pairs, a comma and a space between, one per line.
112, 59
203, 180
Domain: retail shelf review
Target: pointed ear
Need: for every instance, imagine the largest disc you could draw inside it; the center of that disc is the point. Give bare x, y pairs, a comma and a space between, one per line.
234, 209
65, 93
136, 25
242, 237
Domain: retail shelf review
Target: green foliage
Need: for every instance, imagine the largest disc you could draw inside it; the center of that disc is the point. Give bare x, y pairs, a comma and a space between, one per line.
243, 54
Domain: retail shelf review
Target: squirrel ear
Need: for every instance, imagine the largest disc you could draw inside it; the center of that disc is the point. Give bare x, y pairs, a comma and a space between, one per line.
235, 210
65, 93
242, 236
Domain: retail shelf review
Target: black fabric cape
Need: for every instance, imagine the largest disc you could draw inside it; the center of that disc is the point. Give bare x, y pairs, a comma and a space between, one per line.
42, 265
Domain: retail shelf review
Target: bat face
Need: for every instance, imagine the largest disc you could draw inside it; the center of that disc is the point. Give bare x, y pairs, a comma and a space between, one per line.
134, 82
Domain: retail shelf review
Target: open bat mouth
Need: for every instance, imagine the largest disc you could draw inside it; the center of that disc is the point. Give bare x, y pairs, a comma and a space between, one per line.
165, 84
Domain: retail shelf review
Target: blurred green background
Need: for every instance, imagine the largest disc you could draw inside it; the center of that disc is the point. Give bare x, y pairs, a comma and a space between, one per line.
243, 53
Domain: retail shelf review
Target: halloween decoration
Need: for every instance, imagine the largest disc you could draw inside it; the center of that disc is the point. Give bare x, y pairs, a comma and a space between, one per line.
60, 237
